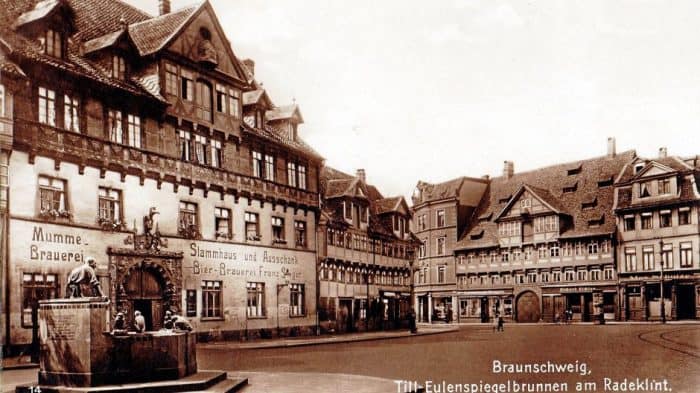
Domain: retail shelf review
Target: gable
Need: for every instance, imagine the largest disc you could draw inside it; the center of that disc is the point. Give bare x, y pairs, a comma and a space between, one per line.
526, 201
202, 40
654, 169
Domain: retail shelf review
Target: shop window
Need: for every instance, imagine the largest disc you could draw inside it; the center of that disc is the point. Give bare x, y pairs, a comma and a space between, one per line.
296, 300
170, 79
252, 226
630, 259
300, 233
109, 205
256, 299
277, 230
191, 303
222, 223
211, 299
114, 126
35, 287
71, 111
47, 106
686, 254
134, 130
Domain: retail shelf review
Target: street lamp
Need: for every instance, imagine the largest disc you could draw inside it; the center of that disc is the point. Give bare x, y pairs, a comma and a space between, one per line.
285, 276
663, 263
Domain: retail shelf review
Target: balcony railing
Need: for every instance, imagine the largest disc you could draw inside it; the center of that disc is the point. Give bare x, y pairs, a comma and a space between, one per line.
83, 150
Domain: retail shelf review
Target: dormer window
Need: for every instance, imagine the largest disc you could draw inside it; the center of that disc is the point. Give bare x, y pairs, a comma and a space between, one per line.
118, 67
52, 43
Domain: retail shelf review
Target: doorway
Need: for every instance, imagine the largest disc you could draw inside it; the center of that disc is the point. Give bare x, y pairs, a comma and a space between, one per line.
528, 307
144, 291
685, 301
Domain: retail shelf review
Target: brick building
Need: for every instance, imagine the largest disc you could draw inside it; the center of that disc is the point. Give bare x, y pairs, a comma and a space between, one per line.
657, 204
114, 125
542, 242
365, 251
441, 212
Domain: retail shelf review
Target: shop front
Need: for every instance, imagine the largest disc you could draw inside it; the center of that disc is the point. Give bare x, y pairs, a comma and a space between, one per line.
643, 299
586, 304
482, 306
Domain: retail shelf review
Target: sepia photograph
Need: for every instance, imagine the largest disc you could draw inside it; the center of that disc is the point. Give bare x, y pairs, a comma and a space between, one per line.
272, 196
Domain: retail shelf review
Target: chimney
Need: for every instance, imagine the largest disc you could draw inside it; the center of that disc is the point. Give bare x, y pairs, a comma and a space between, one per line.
361, 174
163, 7
250, 65
508, 169
486, 177
611, 147
663, 152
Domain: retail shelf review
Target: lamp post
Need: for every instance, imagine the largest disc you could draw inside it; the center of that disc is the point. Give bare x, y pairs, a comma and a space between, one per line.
663, 263
285, 276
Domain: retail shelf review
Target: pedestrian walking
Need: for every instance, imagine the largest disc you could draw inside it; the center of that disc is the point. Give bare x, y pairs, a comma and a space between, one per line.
495, 322
500, 323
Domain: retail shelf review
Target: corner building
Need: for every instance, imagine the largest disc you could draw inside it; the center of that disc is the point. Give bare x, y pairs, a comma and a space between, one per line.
541, 242
365, 254
114, 121
657, 205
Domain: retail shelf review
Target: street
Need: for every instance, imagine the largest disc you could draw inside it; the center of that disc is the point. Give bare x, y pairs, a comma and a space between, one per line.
651, 353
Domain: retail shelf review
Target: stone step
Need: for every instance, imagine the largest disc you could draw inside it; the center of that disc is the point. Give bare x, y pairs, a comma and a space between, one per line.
200, 381
229, 385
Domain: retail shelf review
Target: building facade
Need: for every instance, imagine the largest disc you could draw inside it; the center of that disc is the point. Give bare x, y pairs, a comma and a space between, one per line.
543, 242
657, 202
130, 140
440, 213
365, 256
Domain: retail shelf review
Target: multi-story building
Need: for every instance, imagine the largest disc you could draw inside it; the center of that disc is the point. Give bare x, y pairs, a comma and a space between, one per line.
657, 204
365, 251
441, 213
542, 242
119, 129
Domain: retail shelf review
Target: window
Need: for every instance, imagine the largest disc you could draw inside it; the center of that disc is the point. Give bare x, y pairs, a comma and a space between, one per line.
187, 85
364, 216
200, 149
629, 222
277, 230
664, 186
35, 287
191, 303
300, 233
542, 252
630, 259
252, 226
188, 216
554, 250
421, 222
421, 250
256, 299
52, 43
118, 67
47, 106
184, 138
579, 249
170, 79
71, 119
222, 222
292, 174
211, 299
216, 156
505, 256
234, 103
667, 256
52, 194
608, 273
348, 209
593, 248
114, 126
646, 221
605, 246
665, 218
257, 164
645, 189
296, 300
109, 201
684, 216
569, 275
545, 276
440, 218
441, 274
2, 101
546, 224
531, 277
556, 276
582, 275
269, 167
648, 257
525, 203
134, 131
511, 228
302, 176
204, 101
567, 249
686, 254
528, 253
220, 99
516, 254
441, 245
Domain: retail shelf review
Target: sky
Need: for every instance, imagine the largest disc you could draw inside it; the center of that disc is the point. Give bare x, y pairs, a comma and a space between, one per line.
415, 90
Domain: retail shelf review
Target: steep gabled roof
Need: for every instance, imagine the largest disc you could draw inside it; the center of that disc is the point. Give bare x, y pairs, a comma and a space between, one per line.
671, 162
152, 35
284, 112
41, 10
543, 195
594, 218
256, 96
386, 205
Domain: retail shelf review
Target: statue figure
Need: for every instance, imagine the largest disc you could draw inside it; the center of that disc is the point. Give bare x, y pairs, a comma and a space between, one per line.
149, 221
150, 231
168, 320
119, 328
181, 323
83, 274
139, 322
